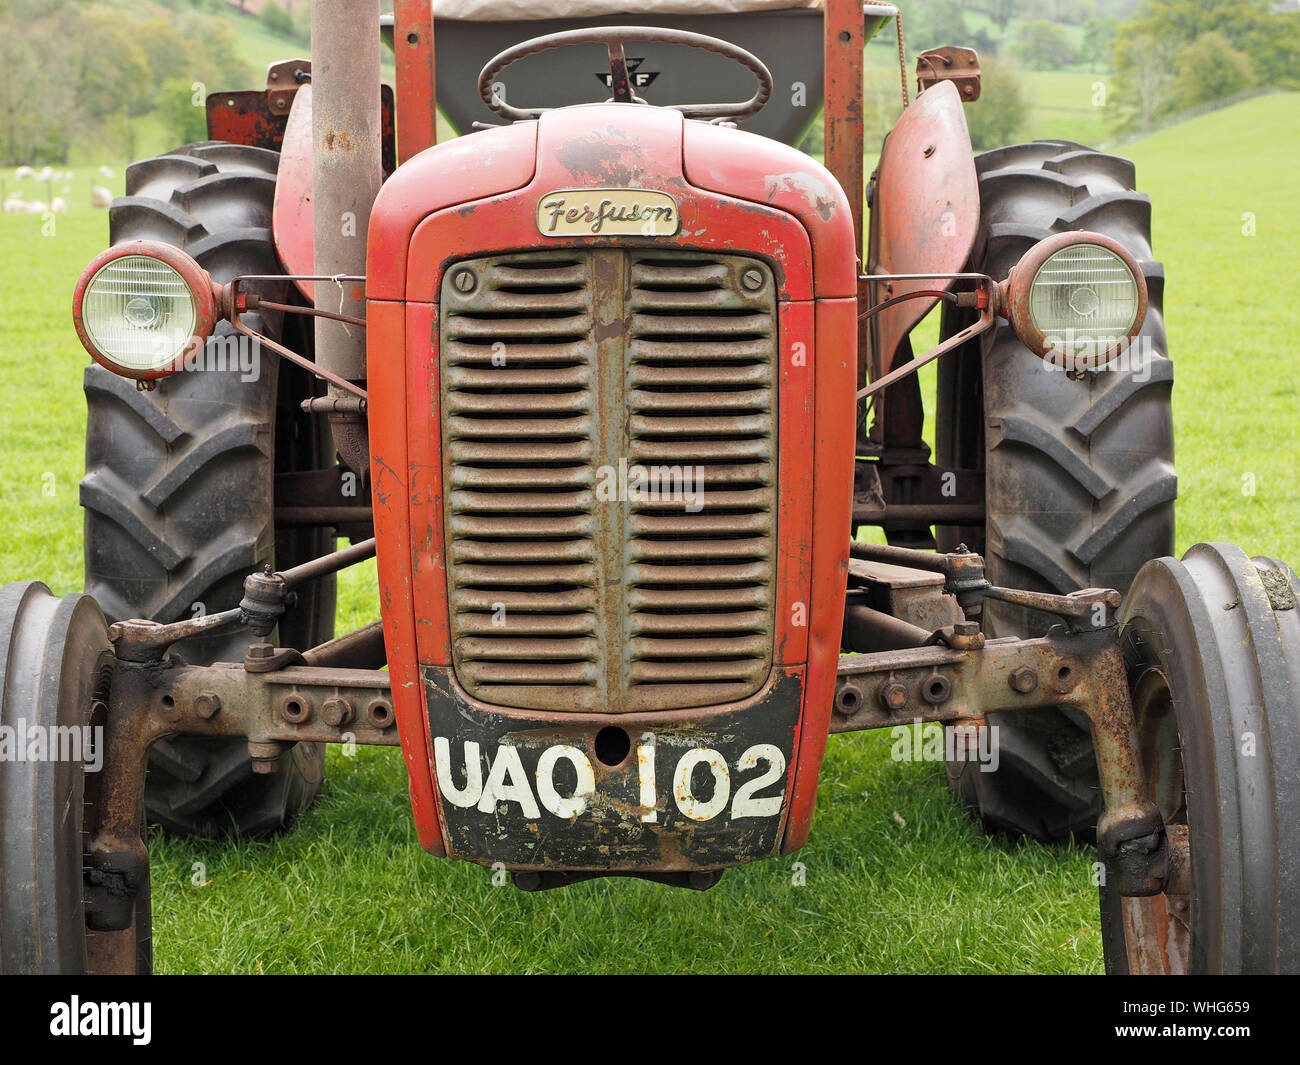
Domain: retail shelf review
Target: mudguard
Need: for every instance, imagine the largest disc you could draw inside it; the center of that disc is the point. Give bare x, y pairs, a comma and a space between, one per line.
925, 213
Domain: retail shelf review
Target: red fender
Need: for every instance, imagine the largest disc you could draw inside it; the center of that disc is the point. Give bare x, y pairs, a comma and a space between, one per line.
925, 214
291, 214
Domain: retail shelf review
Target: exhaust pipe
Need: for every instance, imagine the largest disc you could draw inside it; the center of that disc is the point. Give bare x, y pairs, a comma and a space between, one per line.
346, 172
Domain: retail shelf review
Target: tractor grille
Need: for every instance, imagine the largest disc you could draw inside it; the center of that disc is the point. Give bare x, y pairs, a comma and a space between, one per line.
609, 429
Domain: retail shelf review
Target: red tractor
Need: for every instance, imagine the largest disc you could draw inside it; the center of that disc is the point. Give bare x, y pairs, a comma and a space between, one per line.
608, 388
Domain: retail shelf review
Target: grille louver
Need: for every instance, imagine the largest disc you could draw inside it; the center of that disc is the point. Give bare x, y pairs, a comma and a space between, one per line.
562, 373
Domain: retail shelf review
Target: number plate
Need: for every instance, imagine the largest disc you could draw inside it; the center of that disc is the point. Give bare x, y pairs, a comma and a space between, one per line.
687, 790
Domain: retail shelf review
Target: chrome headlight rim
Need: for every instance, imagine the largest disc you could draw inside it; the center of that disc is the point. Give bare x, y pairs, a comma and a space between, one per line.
202, 292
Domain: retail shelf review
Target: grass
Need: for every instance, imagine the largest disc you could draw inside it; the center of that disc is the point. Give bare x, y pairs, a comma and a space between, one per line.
1066, 104
896, 879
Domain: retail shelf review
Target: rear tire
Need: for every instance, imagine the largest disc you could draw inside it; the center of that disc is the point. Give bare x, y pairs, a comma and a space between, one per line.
1079, 476
53, 657
179, 485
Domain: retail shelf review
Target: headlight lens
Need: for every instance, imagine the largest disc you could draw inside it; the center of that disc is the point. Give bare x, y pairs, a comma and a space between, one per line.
1084, 300
139, 313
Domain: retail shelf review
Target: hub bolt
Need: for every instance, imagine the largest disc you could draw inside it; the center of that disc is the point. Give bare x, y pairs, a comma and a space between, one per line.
1024, 680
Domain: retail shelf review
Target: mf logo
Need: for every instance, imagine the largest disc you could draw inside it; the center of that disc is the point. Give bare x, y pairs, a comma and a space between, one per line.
640, 79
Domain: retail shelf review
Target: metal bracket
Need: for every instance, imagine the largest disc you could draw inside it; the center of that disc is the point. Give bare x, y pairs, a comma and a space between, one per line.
282, 82
952, 63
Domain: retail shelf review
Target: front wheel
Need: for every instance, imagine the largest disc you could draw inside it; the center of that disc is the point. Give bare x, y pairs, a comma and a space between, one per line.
1212, 649
55, 659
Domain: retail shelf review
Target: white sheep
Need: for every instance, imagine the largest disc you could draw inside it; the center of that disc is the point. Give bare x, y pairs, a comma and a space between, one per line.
59, 205
46, 174
24, 173
100, 196
106, 172
14, 205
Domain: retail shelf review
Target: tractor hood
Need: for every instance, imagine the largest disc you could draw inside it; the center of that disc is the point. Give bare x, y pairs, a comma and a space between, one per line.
594, 150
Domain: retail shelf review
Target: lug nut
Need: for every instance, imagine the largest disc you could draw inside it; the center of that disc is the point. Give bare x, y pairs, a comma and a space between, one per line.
891, 695
207, 704
337, 711
752, 280
1024, 680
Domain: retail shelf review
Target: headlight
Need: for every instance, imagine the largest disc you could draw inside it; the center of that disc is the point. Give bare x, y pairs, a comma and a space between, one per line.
1076, 298
141, 306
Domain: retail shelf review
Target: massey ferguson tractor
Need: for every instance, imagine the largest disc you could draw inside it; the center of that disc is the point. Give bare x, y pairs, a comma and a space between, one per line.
610, 385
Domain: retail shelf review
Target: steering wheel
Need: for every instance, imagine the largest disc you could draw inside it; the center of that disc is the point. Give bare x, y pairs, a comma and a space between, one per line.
613, 38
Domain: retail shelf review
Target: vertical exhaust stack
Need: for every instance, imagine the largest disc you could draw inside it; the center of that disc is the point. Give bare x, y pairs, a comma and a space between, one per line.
346, 177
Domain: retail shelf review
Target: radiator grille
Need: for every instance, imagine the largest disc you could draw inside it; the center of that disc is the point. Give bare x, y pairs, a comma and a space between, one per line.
609, 427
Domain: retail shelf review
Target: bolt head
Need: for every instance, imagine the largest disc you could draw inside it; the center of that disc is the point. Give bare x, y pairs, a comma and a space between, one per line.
966, 628
335, 712
265, 756
892, 695
1024, 680
752, 280
464, 281
207, 704
260, 650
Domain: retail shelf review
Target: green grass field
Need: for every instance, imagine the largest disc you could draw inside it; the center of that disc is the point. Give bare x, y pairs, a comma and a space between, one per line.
895, 879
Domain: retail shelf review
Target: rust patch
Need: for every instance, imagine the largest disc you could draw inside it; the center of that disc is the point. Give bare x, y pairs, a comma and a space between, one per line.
338, 141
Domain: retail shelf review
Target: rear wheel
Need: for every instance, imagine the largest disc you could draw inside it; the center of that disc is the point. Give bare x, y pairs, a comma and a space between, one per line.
1212, 648
54, 661
179, 485
1078, 474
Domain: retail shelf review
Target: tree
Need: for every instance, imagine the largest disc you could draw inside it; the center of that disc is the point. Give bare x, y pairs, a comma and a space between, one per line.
1148, 54
1143, 64
277, 19
1271, 38
1098, 41
998, 116
934, 23
1043, 46
1210, 69
185, 120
